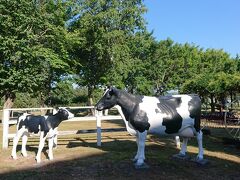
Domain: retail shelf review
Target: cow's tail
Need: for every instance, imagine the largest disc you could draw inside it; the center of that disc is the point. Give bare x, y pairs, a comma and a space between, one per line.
197, 123
196, 112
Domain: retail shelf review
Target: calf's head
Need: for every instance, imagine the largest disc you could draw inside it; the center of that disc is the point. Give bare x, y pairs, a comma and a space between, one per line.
64, 114
108, 100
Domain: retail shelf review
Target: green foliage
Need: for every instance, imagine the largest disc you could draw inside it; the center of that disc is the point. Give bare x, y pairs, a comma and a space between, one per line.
33, 51
171, 64
217, 77
26, 100
142, 45
101, 42
65, 94
104, 29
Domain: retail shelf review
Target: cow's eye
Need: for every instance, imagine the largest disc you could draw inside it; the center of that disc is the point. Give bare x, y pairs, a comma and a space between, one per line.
108, 96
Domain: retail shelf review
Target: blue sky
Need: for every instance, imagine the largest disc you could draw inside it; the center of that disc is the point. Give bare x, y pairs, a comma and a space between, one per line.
206, 23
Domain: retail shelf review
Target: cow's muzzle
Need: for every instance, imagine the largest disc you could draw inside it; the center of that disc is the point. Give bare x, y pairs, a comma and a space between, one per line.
99, 107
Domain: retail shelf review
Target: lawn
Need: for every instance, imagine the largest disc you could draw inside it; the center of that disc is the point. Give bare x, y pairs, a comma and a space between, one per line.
78, 157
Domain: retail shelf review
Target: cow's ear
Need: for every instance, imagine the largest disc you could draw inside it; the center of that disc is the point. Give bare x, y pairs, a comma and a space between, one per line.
113, 91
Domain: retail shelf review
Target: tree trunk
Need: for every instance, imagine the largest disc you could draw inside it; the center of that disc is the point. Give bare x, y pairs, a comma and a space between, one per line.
42, 104
212, 103
9, 99
90, 99
8, 103
222, 103
231, 97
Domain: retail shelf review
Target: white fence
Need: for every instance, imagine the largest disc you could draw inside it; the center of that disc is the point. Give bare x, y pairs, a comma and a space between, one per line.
97, 117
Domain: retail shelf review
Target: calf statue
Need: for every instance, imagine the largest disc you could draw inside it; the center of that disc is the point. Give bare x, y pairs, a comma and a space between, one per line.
46, 125
176, 115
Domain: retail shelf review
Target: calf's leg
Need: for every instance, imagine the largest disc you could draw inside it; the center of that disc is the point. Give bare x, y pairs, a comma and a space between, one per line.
50, 145
40, 147
55, 136
24, 143
15, 141
52, 141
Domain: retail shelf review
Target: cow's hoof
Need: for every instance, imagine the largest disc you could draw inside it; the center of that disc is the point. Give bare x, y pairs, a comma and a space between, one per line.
141, 166
14, 157
200, 161
38, 161
181, 156
24, 155
134, 160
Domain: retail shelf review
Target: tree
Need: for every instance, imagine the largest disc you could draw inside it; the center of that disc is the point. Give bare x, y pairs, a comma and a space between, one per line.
217, 77
142, 46
33, 50
104, 28
171, 64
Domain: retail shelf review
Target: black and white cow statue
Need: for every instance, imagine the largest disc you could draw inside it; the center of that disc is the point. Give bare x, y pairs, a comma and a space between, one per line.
176, 115
45, 125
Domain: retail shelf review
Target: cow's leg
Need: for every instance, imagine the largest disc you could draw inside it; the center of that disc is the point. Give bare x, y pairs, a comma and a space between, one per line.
141, 150
182, 154
200, 146
40, 147
137, 154
15, 142
132, 132
178, 142
24, 143
183, 147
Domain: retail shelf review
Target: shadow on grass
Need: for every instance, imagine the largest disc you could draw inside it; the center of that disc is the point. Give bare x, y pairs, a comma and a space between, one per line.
219, 141
113, 161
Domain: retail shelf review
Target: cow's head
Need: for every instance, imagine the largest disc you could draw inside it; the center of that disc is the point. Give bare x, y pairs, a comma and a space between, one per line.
108, 100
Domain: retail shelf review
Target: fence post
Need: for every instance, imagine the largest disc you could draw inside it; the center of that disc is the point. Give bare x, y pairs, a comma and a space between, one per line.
98, 117
5, 122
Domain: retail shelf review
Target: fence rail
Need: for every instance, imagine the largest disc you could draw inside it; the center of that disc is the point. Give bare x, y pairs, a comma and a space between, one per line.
98, 117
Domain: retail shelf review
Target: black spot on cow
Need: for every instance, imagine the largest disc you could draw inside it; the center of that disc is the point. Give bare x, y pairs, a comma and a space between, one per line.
173, 121
139, 119
53, 122
33, 122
